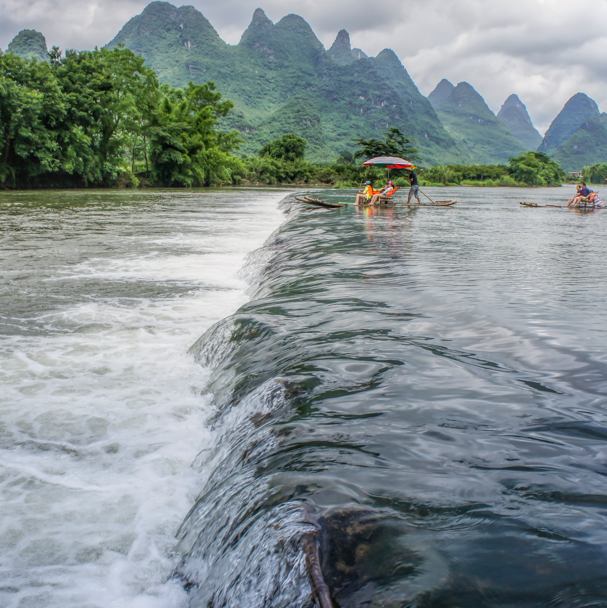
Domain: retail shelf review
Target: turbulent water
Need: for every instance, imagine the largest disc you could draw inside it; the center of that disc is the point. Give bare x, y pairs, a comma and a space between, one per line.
418, 392
102, 411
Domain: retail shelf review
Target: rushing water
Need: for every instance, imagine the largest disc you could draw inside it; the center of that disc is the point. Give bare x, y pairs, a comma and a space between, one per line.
419, 391
101, 413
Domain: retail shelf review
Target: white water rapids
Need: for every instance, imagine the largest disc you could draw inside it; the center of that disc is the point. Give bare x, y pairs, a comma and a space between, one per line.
101, 406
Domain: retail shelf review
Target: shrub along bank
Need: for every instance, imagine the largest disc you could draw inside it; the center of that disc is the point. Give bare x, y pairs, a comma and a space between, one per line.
528, 169
101, 118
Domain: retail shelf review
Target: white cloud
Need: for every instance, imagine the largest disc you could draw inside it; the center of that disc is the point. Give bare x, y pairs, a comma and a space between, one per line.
543, 50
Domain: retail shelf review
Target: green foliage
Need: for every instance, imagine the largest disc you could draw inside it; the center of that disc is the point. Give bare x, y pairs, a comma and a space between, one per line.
467, 174
536, 169
481, 137
394, 144
29, 44
99, 117
442, 175
185, 148
595, 174
33, 111
281, 80
289, 147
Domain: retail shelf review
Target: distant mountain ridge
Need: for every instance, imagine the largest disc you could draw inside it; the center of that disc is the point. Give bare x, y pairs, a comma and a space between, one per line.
481, 137
29, 44
513, 114
281, 78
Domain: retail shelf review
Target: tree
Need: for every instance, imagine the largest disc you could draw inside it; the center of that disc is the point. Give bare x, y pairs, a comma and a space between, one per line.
32, 108
289, 147
93, 117
395, 144
186, 148
112, 95
536, 169
595, 174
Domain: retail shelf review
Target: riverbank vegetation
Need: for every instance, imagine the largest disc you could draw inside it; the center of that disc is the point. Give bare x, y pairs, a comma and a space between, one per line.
595, 174
102, 119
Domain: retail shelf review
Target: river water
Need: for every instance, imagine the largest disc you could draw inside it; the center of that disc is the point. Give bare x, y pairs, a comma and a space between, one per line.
422, 392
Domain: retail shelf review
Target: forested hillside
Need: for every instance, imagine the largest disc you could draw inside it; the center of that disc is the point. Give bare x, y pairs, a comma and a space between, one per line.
29, 44
514, 116
281, 79
480, 136
577, 137
96, 118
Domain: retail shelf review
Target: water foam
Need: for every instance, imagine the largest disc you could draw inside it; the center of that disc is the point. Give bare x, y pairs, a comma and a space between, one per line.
102, 417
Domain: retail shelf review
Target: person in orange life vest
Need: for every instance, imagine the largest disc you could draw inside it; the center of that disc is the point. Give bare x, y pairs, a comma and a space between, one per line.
366, 195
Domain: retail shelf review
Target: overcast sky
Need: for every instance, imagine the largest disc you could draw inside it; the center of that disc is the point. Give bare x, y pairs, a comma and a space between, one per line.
543, 50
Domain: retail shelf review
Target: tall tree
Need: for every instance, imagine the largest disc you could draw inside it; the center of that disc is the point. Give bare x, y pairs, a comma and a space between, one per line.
395, 144
186, 147
32, 109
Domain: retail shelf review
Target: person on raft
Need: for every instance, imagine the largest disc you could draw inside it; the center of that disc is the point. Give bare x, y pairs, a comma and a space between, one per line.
583, 192
414, 190
386, 191
366, 195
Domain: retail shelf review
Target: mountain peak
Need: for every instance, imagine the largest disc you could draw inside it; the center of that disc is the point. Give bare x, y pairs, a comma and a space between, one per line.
260, 29
342, 42
298, 31
464, 95
341, 50
389, 56
575, 112
260, 18
29, 44
443, 89
513, 102
475, 128
516, 119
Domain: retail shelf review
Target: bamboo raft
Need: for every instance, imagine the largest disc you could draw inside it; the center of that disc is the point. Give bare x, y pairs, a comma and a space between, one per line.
320, 203
580, 206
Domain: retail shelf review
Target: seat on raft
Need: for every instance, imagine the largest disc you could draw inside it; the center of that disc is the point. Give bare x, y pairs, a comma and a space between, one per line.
385, 198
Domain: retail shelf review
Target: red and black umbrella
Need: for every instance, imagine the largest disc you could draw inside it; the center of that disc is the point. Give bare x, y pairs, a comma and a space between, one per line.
391, 162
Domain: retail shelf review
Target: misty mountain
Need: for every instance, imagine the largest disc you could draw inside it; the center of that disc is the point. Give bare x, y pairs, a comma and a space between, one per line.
579, 109
29, 44
481, 137
515, 117
587, 146
443, 89
282, 79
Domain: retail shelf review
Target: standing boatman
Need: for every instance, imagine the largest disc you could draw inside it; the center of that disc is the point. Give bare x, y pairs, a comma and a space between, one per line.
414, 190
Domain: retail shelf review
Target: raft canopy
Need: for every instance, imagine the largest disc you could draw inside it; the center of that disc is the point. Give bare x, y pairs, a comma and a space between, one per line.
391, 162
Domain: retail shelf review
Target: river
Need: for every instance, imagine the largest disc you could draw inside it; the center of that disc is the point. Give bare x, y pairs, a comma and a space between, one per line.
420, 391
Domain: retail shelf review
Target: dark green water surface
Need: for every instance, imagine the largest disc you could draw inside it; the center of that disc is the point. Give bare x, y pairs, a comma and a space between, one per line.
426, 391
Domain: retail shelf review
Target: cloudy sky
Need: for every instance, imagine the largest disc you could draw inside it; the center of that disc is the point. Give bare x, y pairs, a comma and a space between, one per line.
543, 50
